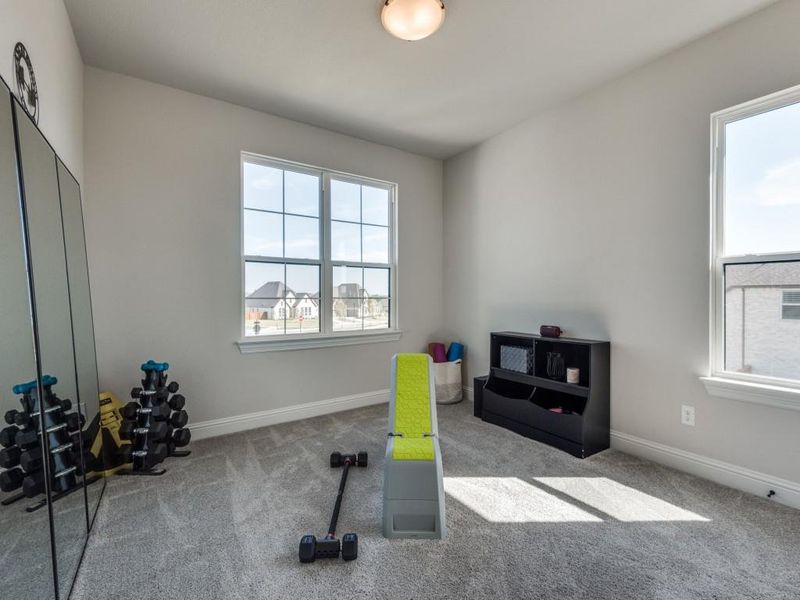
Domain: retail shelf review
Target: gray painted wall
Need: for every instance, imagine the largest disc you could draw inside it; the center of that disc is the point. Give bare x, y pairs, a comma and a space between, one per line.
44, 27
594, 216
162, 225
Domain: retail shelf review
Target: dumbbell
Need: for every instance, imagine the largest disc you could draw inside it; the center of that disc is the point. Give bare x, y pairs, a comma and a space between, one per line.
11, 416
8, 436
181, 437
132, 409
159, 394
11, 479
33, 484
156, 454
158, 430
179, 418
31, 460
173, 387
151, 457
25, 419
177, 402
361, 459
9, 457
30, 437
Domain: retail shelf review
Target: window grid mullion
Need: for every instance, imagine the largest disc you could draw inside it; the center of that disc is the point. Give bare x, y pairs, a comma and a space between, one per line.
326, 293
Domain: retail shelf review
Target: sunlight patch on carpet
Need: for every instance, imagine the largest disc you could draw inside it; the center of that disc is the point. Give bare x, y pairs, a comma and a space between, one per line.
511, 500
617, 500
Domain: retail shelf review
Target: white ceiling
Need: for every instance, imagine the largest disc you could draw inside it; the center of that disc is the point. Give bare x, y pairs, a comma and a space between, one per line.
329, 62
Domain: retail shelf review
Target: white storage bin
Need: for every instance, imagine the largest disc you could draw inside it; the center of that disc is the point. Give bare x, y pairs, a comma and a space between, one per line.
447, 376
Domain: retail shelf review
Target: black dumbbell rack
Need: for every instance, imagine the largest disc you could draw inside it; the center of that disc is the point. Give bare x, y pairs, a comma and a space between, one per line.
22, 454
155, 424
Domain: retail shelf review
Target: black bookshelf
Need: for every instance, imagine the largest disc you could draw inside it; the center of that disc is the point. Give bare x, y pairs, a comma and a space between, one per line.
519, 395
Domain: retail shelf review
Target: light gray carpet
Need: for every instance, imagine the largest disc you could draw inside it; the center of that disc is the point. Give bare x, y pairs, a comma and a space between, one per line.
25, 554
525, 521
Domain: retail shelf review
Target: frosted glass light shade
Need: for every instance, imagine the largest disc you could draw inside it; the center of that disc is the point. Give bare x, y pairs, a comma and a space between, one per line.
412, 20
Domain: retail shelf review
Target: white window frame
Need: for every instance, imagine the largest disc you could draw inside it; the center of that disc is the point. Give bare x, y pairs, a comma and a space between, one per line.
326, 337
772, 391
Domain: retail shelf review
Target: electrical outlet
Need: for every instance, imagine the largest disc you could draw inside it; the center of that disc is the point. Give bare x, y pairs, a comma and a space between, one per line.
687, 415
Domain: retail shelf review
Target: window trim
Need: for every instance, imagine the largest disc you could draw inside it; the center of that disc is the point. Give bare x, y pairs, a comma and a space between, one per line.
773, 391
326, 337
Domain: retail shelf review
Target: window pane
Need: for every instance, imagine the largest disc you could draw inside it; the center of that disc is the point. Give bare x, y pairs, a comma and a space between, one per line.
264, 316
347, 282
348, 301
345, 201
345, 241
347, 314
263, 233
262, 187
302, 291
302, 194
759, 339
375, 205
376, 282
263, 280
762, 183
264, 302
302, 280
375, 244
377, 314
302, 237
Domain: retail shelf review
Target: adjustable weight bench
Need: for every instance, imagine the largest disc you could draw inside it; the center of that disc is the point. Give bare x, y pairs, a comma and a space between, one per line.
413, 494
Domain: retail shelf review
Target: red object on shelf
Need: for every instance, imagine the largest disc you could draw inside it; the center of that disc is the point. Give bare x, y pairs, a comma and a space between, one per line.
553, 331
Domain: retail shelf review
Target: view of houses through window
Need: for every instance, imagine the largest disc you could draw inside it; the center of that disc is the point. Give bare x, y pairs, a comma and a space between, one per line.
758, 253
290, 250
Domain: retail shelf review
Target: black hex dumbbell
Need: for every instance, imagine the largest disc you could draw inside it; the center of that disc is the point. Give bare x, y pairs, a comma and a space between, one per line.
11, 416
33, 484
9, 457
177, 402
173, 387
156, 455
10, 480
179, 419
28, 437
132, 409
8, 436
157, 430
75, 421
181, 437
31, 460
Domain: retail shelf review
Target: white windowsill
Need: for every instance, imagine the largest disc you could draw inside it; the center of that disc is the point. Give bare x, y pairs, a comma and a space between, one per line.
301, 342
758, 393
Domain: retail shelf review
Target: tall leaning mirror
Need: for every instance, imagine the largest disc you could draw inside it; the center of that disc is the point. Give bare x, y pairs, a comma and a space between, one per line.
25, 557
83, 332
54, 332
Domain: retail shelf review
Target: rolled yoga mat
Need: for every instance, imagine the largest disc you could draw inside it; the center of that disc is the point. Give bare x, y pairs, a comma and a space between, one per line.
437, 351
455, 352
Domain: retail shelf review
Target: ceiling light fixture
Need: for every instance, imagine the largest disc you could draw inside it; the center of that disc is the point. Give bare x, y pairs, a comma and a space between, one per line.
412, 20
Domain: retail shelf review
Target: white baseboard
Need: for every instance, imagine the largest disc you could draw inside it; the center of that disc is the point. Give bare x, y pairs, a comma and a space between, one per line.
468, 394
226, 425
786, 492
